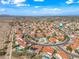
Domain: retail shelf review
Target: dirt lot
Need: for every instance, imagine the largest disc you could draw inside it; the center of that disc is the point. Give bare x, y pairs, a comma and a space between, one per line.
4, 32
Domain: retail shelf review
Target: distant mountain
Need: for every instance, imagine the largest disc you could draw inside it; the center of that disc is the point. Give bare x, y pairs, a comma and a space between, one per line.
3, 15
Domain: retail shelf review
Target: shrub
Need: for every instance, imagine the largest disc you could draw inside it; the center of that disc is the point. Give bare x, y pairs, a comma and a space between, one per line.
2, 52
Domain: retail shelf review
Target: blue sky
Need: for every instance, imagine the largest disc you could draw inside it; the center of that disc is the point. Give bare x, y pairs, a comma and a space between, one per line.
39, 7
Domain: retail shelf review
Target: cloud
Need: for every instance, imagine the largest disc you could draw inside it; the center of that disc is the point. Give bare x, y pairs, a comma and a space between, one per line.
39, 0
71, 2
5, 2
37, 6
15, 2
47, 11
19, 5
18, 1
2, 10
34, 12
51, 9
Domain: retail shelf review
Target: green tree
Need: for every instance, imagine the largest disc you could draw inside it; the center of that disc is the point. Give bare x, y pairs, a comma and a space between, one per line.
69, 48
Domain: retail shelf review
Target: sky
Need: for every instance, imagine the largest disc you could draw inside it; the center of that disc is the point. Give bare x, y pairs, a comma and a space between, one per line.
39, 7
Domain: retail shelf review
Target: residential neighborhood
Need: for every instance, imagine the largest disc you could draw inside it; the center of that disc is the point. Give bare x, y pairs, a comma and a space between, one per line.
52, 37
